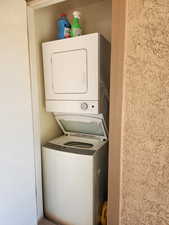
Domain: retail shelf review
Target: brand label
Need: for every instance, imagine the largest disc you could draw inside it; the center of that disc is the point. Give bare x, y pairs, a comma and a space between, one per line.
67, 32
77, 32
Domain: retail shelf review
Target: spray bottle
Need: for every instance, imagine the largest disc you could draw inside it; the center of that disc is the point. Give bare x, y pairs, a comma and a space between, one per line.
76, 27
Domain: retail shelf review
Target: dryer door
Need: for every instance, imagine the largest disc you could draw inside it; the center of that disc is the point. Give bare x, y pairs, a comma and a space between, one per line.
69, 72
71, 68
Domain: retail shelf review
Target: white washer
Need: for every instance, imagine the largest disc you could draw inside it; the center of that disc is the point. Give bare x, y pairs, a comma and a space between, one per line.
75, 171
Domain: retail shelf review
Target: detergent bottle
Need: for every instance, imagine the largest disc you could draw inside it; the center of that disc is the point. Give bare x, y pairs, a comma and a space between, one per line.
76, 27
63, 26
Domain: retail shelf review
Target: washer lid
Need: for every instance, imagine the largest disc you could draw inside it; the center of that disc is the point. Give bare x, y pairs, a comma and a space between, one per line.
87, 125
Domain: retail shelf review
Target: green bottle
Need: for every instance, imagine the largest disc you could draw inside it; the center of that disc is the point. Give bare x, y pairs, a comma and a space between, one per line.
76, 29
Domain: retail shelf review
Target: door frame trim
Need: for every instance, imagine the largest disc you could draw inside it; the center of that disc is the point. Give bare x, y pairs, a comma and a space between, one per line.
31, 8
118, 55
38, 4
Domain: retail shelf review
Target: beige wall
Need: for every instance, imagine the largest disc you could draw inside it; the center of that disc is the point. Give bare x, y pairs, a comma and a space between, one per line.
145, 139
95, 15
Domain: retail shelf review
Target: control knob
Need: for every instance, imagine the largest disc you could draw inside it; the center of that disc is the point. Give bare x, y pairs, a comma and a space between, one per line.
84, 106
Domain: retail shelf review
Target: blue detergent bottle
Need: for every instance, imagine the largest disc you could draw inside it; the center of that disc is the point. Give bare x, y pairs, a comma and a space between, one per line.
63, 27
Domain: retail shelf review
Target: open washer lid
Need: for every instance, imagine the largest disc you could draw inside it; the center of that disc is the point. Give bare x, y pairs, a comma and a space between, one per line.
85, 125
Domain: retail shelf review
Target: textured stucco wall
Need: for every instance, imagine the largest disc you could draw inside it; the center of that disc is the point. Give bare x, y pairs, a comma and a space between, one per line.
145, 149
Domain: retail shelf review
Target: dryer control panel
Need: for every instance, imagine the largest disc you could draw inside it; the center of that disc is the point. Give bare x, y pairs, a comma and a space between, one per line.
82, 107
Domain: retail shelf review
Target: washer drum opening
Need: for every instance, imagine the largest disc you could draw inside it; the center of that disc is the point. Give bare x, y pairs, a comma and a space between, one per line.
78, 144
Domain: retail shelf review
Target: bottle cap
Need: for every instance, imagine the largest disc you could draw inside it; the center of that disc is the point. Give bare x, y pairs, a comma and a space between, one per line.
63, 15
76, 14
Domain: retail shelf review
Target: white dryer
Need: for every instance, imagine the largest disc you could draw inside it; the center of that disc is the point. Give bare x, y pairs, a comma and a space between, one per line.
75, 171
76, 74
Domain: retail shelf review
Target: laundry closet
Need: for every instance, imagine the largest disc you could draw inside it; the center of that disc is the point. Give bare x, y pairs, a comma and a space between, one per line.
62, 114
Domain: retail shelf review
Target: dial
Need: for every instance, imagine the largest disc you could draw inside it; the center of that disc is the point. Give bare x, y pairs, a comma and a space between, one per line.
84, 106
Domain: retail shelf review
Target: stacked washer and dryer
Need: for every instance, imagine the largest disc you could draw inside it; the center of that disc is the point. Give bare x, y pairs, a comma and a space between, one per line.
76, 73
